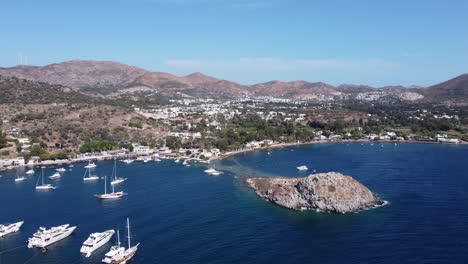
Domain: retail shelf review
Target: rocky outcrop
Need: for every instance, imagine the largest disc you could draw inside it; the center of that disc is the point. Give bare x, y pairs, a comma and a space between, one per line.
331, 192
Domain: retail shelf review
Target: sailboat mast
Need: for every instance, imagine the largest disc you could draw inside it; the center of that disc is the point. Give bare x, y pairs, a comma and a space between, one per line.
128, 232
42, 176
105, 185
118, 238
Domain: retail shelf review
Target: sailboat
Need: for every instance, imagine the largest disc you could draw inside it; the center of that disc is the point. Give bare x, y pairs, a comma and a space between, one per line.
19, 178
128, 253
112, 195
90, 165
89, 177
114, 251
114, 178
43, 186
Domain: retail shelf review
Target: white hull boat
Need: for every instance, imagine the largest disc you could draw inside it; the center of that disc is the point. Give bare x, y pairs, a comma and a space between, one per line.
302, 168
95, 241
30, 172
118, 180
61, 169
55, 176
43, 186
45, 237
90, 165
92, 178
114, 250
11, 228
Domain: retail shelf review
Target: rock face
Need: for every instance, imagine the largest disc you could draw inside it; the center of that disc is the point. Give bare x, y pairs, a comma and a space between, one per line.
331, 192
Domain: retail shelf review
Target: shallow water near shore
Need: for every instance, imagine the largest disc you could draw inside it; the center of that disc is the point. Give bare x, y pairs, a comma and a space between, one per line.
181, 215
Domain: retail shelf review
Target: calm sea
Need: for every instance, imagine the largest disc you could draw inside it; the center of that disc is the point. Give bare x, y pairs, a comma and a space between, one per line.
181, 215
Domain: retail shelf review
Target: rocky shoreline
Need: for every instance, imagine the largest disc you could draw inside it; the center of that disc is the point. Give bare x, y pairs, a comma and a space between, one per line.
329, 192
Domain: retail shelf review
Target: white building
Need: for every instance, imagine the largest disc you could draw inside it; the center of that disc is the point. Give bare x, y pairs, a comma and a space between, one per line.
142, 149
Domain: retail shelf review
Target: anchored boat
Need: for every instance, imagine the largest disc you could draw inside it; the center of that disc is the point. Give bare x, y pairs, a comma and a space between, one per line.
11, 228
95, 241
45, 237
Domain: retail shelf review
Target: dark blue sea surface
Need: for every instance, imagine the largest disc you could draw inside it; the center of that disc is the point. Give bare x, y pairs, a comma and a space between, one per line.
181, 215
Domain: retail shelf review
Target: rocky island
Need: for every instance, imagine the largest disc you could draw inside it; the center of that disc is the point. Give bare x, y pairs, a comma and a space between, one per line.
330, 192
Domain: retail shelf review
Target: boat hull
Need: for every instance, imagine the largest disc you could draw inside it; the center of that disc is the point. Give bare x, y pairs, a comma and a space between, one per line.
89, 249
44, 243
128, 254
11, 228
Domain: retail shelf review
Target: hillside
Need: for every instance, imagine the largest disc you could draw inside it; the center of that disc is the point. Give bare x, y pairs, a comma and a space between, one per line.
14, 90
452, 91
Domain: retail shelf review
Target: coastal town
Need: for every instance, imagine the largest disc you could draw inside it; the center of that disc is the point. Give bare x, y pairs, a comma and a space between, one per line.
201, 130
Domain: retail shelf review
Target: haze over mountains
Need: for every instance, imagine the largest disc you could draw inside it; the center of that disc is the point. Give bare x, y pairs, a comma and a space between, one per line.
110, 78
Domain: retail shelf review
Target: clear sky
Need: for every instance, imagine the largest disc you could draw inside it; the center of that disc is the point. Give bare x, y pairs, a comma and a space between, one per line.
374, 42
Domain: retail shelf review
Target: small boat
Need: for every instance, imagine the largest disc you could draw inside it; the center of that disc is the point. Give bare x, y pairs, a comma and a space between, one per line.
90, 165
126, 255
114, 178
11, 228
302, 168
185, 164
147, 160
177, 160
112, 195
19, 178
210, 170
213, 172
44, 237
30, 172
95, 241
157, 160
114, 250
71, 166
128, 161
43, 186
90, 177
55, 176
61, 169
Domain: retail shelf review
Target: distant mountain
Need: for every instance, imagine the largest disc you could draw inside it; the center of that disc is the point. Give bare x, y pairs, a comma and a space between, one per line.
109, 77
113, 79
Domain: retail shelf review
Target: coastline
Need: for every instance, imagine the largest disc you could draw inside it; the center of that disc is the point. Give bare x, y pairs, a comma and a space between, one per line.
281, 145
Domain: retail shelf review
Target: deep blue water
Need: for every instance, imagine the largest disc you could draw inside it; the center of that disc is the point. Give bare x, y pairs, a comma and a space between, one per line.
181, 215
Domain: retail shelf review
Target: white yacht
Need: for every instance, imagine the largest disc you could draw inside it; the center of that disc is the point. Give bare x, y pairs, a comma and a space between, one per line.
90, 177
302, 168
213, 172
55, 176
125, 256
210, 170
44, 237
128, 161
95, 241
185, 164
157, 160
61, 169
90, 165
30, 172
114, 250
112, 195
43, 186
11, 228
114, 178
177, 161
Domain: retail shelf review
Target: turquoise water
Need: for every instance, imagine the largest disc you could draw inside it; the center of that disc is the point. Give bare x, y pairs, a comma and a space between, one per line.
181, 215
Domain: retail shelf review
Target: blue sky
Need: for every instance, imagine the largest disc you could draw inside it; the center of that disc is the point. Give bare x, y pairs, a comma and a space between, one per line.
361, 42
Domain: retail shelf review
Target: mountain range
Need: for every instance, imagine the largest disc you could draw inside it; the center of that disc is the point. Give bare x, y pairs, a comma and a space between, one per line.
111, 79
